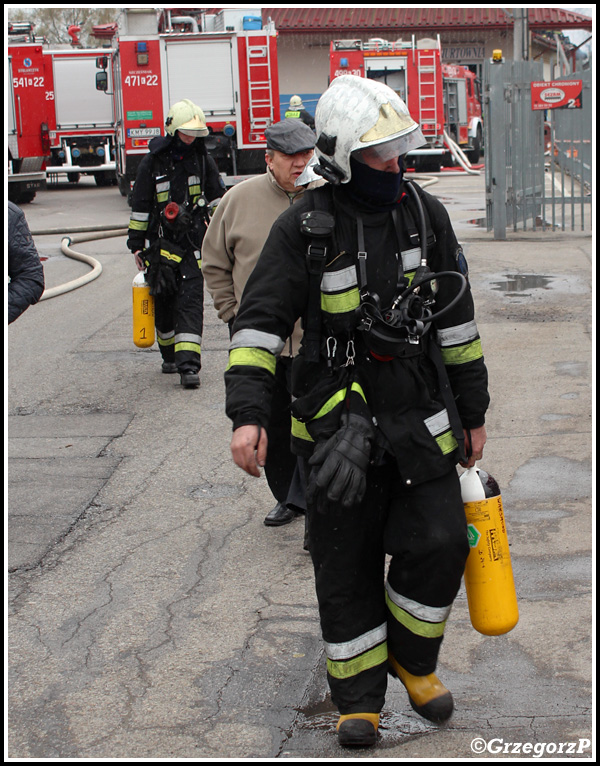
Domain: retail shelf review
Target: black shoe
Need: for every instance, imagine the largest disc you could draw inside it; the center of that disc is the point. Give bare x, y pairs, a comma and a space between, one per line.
358, 730
169, 368
189, 379
279, 516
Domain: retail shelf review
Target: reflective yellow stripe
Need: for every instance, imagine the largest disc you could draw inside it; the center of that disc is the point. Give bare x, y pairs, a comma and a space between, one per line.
418, 627
138, 225
341, 303
300, 431
166, 341
187, 346
463, 354
162, 196
348, 668
446, 442
252, 357
195, 190
170, 256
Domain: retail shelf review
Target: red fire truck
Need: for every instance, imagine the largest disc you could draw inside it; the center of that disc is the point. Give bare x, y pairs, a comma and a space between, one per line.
443, 99
225, 62
82, 134
30, 113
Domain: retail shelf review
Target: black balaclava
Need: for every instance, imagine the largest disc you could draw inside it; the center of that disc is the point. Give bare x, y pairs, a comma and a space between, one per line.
374, 189
178, 149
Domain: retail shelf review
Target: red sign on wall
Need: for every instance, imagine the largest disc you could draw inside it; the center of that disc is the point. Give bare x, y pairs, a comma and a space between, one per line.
559, 94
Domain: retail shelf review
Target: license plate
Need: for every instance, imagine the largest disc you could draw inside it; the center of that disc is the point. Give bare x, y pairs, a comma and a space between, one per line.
143, 132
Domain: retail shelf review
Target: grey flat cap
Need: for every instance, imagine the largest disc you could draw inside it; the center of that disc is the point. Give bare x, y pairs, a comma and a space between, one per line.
290, 136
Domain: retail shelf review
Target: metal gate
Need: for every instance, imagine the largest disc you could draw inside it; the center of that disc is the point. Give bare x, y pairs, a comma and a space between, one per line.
538, 164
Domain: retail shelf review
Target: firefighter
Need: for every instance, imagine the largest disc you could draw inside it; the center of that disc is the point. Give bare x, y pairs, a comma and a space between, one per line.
176, 186
297, 111
230, 250
391, 394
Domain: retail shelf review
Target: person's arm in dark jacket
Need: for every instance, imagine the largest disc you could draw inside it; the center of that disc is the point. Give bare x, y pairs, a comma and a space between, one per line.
25, 269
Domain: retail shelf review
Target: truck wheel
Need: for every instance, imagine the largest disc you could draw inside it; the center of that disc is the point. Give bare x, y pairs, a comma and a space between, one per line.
73, 177
475, 152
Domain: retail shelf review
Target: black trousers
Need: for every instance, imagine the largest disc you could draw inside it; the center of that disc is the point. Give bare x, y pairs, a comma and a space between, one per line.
423, 531
281, 468
179, 321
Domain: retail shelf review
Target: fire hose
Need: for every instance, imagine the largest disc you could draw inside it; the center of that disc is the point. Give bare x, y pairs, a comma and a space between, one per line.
91, 234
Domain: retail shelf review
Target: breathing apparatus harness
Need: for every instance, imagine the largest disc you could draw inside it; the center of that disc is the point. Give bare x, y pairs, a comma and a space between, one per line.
389, 332
386, 331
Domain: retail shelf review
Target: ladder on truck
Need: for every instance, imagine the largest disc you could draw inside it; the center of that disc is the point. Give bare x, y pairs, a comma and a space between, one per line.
260, 86
428, 88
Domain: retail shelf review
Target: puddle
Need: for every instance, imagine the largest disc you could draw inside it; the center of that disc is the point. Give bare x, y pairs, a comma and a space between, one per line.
518, 283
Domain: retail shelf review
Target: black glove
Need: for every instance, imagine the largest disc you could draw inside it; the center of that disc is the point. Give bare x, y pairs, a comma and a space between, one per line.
163, 269
344, 460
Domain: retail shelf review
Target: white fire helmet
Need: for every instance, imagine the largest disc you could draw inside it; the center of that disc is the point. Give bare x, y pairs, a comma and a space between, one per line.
186, 117
356, 113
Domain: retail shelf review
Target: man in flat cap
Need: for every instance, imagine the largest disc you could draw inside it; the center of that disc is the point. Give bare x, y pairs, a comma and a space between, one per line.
231, 247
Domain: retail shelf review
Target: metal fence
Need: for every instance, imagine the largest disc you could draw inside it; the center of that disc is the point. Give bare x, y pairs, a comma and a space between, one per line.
538, 163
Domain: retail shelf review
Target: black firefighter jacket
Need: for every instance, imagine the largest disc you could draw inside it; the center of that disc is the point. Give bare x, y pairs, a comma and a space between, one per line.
169, 172
24, 267
402, 394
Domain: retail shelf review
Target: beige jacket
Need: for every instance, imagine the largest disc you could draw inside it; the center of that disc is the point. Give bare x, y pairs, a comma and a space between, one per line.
235, 238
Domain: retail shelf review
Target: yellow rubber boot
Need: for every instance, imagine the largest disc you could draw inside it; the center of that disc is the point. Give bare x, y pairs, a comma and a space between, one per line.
358, 729
427, 694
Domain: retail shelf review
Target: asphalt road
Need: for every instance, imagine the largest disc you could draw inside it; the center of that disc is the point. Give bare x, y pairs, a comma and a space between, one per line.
152, 615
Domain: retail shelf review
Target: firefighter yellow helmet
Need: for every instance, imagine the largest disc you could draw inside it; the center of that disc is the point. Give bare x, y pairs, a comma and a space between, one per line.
356, 113
186, 117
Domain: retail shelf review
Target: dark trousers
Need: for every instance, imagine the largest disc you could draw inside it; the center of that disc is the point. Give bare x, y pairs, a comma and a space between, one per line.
423, 530
281, 468
179, 323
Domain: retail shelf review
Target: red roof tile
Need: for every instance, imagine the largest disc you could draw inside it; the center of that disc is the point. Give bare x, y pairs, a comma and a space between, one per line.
432, 20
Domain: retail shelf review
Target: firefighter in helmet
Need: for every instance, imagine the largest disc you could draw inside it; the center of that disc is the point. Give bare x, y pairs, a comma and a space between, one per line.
298, 111
390, 393
176, 187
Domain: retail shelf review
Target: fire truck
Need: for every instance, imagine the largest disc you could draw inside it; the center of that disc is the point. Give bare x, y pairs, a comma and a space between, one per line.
30, 113
225, 62
82, 134
444, 99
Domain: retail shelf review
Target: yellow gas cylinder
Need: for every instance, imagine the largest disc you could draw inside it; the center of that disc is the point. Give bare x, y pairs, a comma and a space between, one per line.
488, 573
143, 312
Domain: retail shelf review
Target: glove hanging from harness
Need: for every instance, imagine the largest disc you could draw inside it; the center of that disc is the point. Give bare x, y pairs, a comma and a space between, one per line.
340, 464
162, 261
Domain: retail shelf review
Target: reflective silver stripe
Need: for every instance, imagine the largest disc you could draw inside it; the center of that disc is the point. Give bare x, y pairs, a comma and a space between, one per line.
193, 180
183, 337
420, 611
357, 645
460, 333
139, 216
333, 281
165, 186
411, 258
438, 423
257, 339
166, 335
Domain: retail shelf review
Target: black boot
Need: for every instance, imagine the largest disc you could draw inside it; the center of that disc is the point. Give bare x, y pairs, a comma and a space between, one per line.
189, 379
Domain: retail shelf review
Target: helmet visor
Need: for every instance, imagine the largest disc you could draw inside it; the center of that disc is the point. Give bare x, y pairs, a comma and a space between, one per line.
195, 133
386, 150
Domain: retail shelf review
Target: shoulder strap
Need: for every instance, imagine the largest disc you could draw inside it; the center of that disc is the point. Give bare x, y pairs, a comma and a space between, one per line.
318, 225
